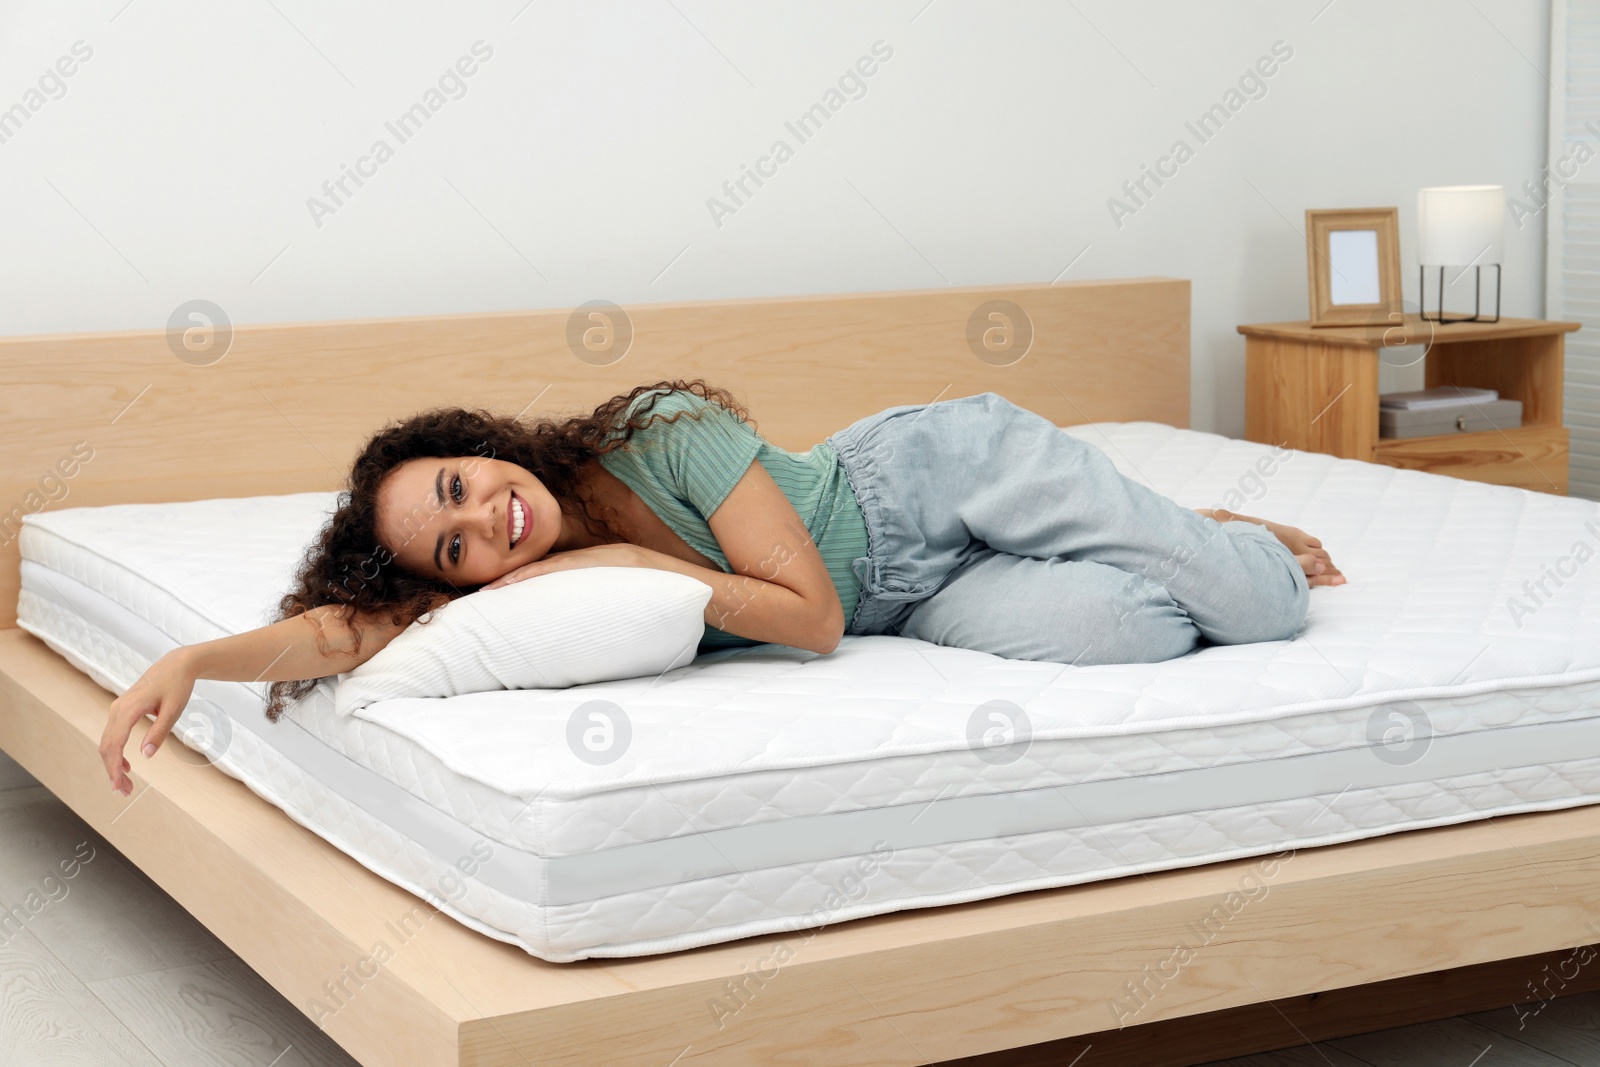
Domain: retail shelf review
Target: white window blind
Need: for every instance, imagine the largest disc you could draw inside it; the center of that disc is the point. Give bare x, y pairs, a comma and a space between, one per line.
1572, 220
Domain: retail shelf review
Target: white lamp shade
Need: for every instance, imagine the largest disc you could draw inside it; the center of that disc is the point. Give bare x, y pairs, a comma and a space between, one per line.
1460, 225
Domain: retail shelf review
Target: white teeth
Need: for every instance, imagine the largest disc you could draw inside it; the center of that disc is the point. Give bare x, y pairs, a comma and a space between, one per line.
516, 521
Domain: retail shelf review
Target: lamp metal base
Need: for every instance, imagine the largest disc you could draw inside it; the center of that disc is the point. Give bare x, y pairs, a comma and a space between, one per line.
1477, 297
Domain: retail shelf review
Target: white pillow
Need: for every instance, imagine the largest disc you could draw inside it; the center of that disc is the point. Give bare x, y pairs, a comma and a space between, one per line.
591, 624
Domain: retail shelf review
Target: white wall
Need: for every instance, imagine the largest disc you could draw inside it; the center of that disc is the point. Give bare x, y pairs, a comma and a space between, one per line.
179, 160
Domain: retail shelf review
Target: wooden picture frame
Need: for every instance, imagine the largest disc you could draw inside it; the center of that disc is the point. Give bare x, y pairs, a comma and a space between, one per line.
1353, 265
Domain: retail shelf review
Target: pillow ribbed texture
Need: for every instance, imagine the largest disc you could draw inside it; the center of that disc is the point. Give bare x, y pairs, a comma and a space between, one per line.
593, 624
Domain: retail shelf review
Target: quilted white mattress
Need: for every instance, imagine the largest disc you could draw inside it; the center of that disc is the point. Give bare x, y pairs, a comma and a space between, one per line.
1455, 677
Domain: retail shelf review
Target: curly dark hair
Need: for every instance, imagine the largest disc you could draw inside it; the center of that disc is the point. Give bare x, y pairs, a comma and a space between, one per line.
348, 566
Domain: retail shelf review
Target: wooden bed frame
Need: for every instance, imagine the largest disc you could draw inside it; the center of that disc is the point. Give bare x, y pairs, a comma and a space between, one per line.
288, 405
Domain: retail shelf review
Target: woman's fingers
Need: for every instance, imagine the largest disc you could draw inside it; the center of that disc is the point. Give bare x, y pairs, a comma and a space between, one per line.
527, 570
505, 579
113, 743
161, 692
165, 718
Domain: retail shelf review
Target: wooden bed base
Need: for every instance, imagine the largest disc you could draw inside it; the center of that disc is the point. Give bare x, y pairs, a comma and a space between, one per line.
396, 983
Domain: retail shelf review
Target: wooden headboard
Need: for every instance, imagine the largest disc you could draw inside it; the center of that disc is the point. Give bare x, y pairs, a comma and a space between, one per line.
287, 406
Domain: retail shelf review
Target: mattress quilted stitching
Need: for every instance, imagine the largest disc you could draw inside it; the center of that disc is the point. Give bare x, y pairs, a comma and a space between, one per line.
1434, 563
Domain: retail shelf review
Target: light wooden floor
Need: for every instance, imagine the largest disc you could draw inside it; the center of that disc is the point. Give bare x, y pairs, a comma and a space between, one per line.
103, 969
108, 970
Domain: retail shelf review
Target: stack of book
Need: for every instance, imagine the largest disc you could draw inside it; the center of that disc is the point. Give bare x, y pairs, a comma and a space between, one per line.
1446, 409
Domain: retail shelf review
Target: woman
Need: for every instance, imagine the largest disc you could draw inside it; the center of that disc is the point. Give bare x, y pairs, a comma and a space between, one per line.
968, 522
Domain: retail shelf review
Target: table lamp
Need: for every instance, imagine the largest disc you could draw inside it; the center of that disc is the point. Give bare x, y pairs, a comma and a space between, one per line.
1460, 226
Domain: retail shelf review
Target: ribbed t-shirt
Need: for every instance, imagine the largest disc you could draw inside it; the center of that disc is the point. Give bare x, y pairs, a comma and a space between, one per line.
685, 468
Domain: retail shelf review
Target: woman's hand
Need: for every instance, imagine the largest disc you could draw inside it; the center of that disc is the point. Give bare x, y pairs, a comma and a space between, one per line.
1308, 551
162, 691
617, 555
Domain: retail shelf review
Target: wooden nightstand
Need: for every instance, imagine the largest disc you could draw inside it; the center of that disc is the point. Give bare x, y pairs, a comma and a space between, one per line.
1317, 390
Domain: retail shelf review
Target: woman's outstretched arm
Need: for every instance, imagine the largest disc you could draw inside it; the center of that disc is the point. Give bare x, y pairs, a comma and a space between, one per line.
283, 651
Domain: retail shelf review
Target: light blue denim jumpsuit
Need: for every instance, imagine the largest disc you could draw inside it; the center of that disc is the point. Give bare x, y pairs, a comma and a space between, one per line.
990, 528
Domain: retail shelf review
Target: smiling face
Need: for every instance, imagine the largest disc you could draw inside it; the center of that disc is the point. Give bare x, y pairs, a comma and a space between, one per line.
466, 519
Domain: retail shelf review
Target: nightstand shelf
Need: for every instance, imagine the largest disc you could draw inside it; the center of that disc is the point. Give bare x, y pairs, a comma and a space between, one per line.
1316, 389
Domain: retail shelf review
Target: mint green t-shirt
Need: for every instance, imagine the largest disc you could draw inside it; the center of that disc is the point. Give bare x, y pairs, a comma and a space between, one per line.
684, 469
